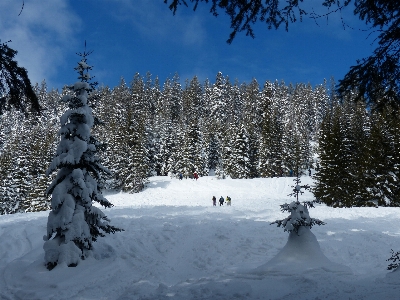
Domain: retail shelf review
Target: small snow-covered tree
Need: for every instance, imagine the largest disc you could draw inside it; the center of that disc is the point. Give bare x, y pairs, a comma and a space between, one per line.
74, 223
299, 215
395, 258
302, 251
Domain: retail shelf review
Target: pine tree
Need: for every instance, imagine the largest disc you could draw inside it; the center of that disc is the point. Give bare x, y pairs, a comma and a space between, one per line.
191, 159
332, 179
74, 223
15, 87
274, 145
15, 184
236, 105
357, 137
266, 104
239, 162
192, 108
213, 152
395, 260
175, 99
382, 159
157, 129
193, 155
25, 155
39, 156
299, 215
121, 127
139, 161
226, 165
252, 120
217, 102
152, 132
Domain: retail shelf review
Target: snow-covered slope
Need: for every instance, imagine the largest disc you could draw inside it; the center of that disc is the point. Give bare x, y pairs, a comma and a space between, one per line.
176, 245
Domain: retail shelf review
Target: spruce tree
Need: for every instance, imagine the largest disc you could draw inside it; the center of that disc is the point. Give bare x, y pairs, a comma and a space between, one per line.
213, 152
15, 87
191, 159
74, 223
299, 215
118, 124
266, 104
333, 178
175, 99
325, 178
382, 157
138, 164
236, 105
218, 103
252, 120
16, 181
239, 163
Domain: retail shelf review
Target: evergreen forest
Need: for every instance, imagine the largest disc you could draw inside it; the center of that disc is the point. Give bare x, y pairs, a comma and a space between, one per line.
230, 129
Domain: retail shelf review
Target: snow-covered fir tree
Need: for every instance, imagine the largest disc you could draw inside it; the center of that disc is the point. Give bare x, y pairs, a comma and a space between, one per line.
147, 130
239, 161
395, 261
74, 223
193, 154
213, 152
299, 216
330, 180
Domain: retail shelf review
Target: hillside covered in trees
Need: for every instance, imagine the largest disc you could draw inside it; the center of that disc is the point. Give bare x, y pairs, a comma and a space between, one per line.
240, 130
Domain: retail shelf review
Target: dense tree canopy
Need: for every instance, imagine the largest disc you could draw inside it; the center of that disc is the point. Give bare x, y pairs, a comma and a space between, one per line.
222, 128
374, 79
377, 77
15, 87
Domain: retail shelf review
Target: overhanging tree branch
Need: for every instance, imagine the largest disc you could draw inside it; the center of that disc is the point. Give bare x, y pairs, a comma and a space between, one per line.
374, 79
244, 14
15, 87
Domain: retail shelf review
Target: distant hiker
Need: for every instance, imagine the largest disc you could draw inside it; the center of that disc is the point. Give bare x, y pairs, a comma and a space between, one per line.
221, 201
291, 173
195, 176
214, 201
228, 201
180, 176
309, 172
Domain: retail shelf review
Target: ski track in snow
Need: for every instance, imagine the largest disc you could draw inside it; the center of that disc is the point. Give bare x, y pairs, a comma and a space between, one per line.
176, 245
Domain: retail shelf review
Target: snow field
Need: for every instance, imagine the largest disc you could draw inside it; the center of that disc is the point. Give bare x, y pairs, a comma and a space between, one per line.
176, 245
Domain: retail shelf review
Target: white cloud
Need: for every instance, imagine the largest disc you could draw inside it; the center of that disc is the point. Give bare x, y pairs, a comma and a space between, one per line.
43, 34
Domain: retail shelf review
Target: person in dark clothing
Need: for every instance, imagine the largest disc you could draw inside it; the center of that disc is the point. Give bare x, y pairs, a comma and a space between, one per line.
180, 176
195, 176
221, 201
214, 201
309, 172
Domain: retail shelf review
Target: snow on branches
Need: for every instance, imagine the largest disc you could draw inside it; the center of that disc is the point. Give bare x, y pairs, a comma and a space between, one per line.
395, 258
299, 215
74, 223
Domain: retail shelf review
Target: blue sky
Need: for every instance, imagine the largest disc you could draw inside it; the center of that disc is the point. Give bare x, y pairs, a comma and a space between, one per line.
129, 36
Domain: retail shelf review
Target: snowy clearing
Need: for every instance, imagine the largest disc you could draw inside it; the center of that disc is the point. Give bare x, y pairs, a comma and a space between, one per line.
176, 245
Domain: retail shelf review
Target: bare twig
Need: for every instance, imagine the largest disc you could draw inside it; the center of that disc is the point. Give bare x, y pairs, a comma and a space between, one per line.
23, 3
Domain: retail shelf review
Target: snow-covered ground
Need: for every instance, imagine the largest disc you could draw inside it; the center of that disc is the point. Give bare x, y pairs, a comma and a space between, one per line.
176, 245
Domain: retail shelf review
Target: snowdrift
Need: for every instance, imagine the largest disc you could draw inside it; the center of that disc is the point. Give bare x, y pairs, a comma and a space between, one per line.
302, 253
176, 245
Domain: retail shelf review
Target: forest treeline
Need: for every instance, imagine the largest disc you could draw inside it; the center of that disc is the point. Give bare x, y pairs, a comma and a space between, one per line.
240, 130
